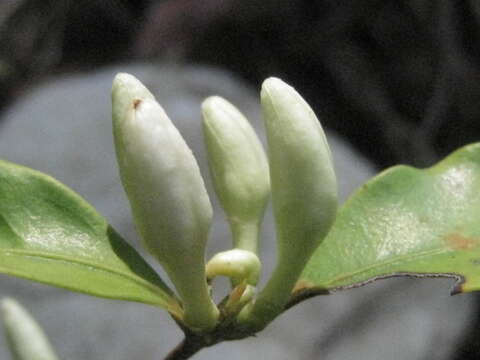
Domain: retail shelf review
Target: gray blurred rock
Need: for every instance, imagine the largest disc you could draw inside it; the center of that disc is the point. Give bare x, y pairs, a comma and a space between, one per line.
63, 128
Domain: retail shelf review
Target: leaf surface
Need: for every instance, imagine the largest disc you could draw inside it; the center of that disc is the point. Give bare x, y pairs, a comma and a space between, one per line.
51, 235
405, 221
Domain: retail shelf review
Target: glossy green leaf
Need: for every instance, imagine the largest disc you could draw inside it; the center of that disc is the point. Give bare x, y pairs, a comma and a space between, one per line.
51, 235
405, 221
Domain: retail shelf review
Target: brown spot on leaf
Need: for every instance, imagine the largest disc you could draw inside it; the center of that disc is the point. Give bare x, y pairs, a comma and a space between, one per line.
458, 241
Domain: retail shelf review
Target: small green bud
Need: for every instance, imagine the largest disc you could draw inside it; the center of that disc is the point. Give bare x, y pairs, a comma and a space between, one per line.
25, 337
239, 169
304, 190
237, 264
170, 205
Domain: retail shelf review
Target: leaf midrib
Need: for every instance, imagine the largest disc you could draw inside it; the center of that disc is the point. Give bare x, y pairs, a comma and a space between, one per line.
58, 257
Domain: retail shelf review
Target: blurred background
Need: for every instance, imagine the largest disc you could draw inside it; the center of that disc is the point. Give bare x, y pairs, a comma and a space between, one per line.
397, 81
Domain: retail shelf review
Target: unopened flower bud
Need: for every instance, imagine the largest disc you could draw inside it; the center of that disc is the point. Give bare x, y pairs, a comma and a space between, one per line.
304, 187
25, 337
170, 205
304, 190
239, 169
237, 264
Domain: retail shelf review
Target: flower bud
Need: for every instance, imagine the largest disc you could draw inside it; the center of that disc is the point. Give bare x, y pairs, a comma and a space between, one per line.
304, 187
304, 190
239, 169
170, 205
25, 338
237, 264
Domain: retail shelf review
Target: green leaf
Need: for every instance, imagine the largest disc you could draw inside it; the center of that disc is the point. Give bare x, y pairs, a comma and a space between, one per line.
51, 235
405, 221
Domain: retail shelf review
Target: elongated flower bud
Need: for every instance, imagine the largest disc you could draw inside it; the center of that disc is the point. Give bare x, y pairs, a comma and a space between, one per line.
239, 169
171, 208
25, 337
304, 189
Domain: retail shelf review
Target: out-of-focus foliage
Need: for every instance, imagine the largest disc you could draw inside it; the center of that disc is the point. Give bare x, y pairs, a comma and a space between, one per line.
393, 71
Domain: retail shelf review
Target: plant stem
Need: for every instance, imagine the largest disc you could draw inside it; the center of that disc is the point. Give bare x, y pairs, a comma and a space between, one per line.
186, 349
245, 235
275, 295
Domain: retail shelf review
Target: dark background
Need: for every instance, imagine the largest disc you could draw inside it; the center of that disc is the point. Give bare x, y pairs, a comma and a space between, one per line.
400, 78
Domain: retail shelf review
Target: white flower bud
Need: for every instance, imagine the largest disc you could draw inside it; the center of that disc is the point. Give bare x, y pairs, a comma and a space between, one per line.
239, 169
170, 205
25, 337
304, 187
304, 191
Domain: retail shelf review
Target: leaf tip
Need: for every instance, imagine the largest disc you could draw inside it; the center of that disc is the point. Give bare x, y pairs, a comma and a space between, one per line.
457, 289
462, 286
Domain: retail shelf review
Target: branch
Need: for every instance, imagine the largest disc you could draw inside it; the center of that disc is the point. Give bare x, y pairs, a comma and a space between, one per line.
186, 349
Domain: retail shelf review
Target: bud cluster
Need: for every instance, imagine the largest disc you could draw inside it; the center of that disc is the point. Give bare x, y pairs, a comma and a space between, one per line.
172, 210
